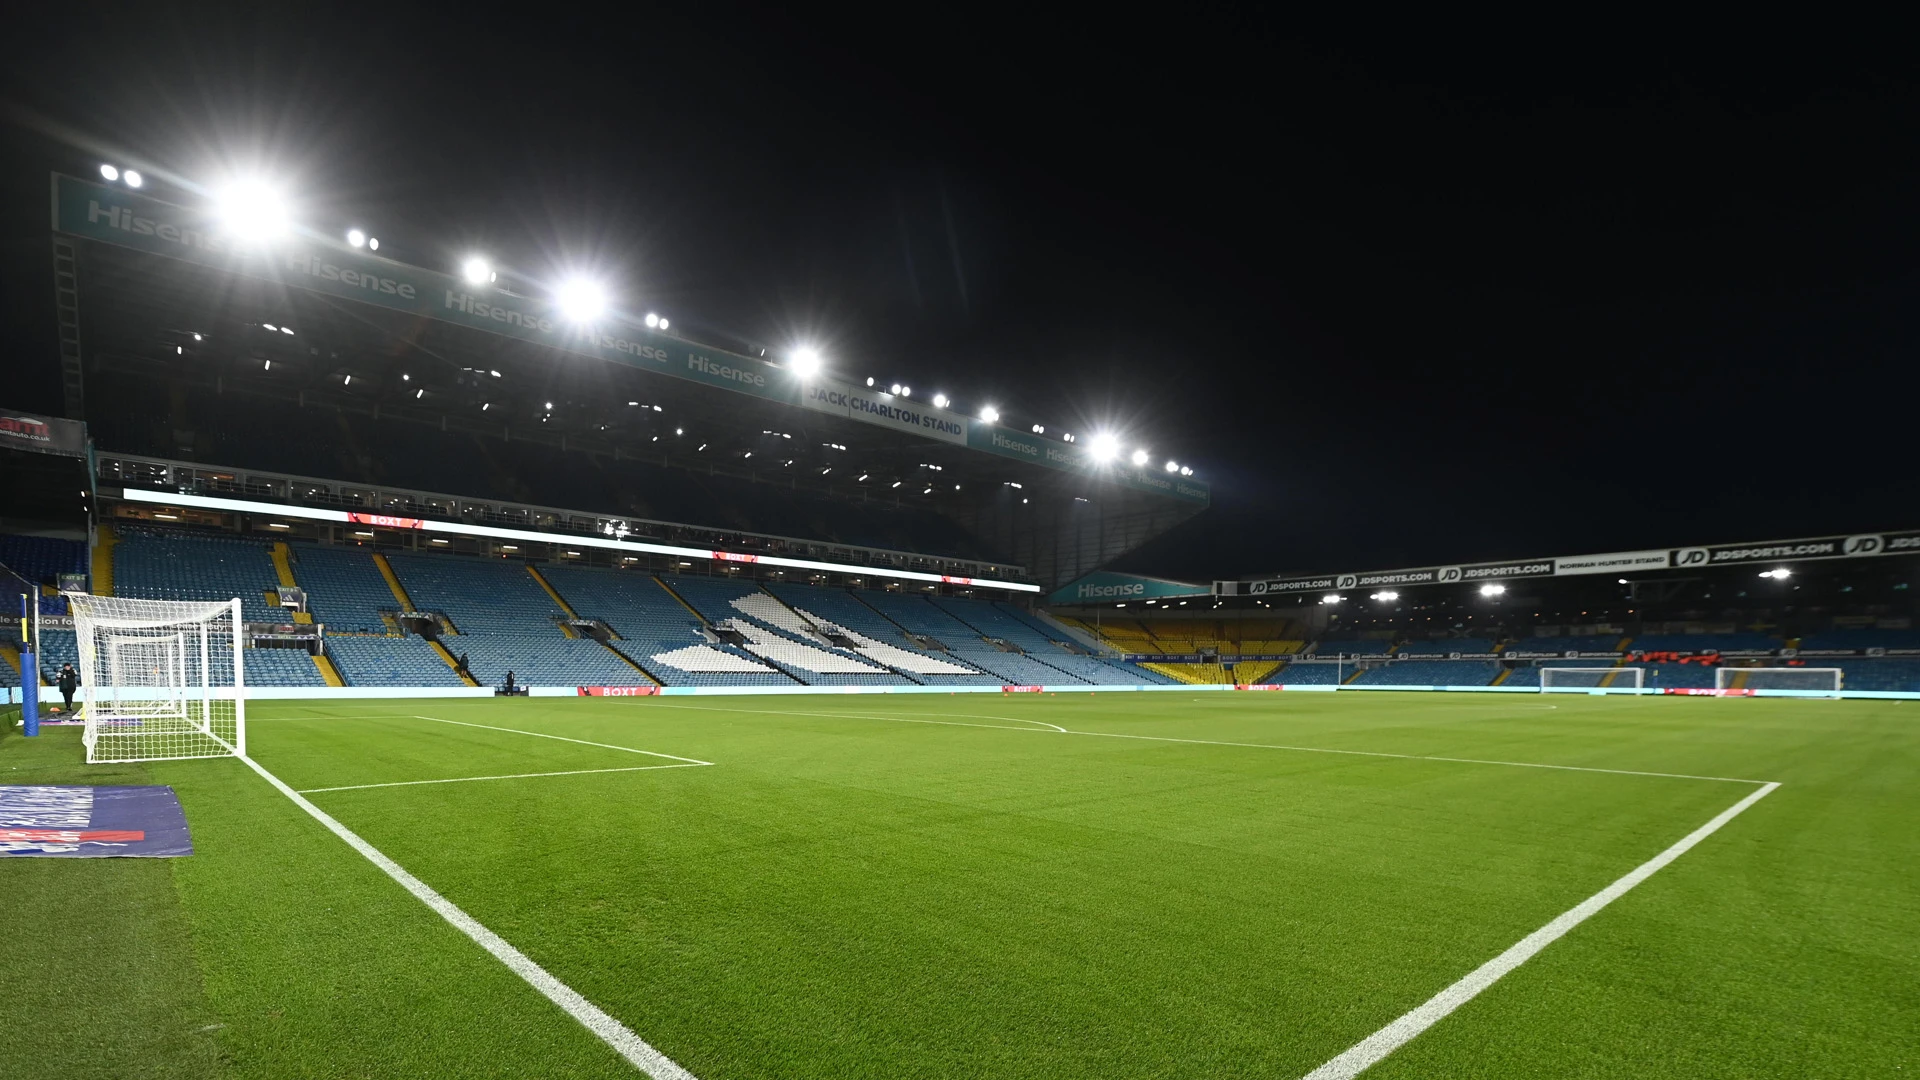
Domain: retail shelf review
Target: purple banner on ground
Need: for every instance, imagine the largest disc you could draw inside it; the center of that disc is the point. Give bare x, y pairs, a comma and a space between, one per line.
92, 822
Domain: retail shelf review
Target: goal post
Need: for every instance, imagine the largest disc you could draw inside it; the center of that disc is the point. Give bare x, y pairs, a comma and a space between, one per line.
1591, 679
1815, 680
160, 679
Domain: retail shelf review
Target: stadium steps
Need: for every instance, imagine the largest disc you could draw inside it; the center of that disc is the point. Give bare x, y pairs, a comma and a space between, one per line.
1013, 648
635, 664
283, 566
557, 598
694, 611
327, 671
1185, 673
1249, 672
1505, 674
103, 560
1739, 680
11, 654
907, 675
393, 582
452, 663
1357, 672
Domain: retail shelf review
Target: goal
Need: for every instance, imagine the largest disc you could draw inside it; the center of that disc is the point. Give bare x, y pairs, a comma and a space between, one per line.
160, 679
1591, 679
1822, 680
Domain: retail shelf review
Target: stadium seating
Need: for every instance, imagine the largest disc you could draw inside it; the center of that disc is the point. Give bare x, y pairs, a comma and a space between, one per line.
1310, 673
280, 667
345, 590
1592, 643
995, 620
876, 637
1443, 646
176, 566
1430, 673
1704, 642
389, 661
777, 636
1859, 639
40, 560
1353, 647
657, 630
918, 614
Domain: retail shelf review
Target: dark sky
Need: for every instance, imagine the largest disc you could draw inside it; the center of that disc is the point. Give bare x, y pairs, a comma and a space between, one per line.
1404, 294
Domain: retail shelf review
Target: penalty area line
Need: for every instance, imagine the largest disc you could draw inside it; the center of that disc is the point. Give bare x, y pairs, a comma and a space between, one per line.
1371, 1050
637, 1051
563, 738
509, 776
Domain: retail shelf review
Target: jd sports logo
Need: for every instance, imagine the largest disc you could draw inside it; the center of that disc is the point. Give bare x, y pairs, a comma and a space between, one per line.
1448, 573
1346, 581
1690, 557
1259, 587
1862, 545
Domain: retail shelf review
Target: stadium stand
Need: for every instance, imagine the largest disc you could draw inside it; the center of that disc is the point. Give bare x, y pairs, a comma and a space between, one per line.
40, 560
1353, 647
345, 591
1862, 639
280, 667
1430, 673
1593, 643
1310, 673
389, 661
772, 632
991, 620
656, 630
917, 614
1443, 646
1683, 643
876, 637
153, 565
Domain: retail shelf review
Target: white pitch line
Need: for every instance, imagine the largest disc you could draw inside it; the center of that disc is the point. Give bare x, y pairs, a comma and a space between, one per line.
510, 776
563, 738
875, 716
1369, 1051
621, 1038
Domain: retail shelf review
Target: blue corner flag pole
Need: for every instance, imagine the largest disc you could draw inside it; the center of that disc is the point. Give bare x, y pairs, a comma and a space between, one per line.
29, 678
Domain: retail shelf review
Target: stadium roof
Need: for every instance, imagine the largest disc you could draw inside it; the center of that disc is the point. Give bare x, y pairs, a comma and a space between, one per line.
428, 341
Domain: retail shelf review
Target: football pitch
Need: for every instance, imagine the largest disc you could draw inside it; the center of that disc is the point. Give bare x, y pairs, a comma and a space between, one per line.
1271, 885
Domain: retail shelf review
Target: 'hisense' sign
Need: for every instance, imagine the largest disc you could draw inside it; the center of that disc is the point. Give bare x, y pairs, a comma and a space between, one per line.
1106, 587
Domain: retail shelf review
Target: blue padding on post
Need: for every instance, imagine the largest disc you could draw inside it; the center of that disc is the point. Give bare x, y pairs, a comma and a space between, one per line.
30, 693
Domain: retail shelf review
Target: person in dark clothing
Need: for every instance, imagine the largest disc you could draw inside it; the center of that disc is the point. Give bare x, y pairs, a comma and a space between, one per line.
509, 682
463, 665
68, 681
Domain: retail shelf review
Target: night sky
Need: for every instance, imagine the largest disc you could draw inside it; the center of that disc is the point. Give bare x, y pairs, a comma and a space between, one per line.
1404, 295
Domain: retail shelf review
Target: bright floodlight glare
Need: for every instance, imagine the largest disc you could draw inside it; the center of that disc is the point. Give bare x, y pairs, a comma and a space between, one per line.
906, 391
663, 324
1139, 457
132, 178
252, 211
653, 320
1623, 581
373, 243
356, 238
939, 401
1332, 598
1492, 590
1173, 466
1039, 429
1384, 596
581, 300
1105, 448
476, 271
989, 415
806, 361
894, 389
109, 172
1186, 470
1778, 575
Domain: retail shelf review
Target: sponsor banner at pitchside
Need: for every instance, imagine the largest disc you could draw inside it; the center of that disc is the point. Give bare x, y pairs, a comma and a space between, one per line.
118, 216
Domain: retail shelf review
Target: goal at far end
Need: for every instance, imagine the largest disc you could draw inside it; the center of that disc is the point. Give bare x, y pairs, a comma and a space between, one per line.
1817, 680
160, 679
1589, 679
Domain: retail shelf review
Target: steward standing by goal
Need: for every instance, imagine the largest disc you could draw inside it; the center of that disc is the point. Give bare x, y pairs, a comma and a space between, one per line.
68, 681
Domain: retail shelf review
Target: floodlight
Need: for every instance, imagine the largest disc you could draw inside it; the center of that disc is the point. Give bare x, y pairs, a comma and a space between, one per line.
653, 321
906, 391
1105, 448
869, 380
679, 431
404, 377
269, 326
990, 415
1492, 590
1385, 596
1173, 466
420, 393
287, 330
1332, 598
1186, 470
549, 404
356, 238
196, 337
476, 271
373, 243
1039, 429
939, 401
663, 324
109, 172
252, 210
581, 300
1139, 457
132, 178
806, 362
894, 389
1778, 575
1623, 581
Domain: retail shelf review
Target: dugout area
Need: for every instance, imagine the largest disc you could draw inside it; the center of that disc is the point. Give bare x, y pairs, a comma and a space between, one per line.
1034, 885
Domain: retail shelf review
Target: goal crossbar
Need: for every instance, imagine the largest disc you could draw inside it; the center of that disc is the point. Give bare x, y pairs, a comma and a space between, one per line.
1590, 679
1819, 680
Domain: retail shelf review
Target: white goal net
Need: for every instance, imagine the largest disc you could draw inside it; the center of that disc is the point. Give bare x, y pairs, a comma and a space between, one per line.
160, 679
1825, 680
1570, 679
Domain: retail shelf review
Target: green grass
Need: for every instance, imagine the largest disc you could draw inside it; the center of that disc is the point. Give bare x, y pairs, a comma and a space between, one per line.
852, 896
